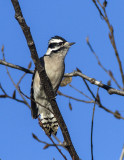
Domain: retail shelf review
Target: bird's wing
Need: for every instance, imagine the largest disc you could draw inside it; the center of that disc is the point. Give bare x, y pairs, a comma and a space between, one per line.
56, 88
34, 109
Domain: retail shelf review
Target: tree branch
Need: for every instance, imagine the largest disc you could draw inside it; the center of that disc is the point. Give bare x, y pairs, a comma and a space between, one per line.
111, 36
16, 67
47, 144
73, 74
5, 95
110, 90
76, 99
96, 99
43, 78
100, 64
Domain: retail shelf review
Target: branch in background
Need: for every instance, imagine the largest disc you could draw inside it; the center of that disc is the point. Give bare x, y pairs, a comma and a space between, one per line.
14, 82
16, 67
80, 92
99, 63
92, 132
44, 80
34, 101
100, 12
116, 113
76, 99
5, 95
29, 66
97, 98
111, 35
109, 89
73, 74
48, 144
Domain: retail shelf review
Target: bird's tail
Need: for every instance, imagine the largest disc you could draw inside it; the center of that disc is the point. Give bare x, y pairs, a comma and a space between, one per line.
49, 123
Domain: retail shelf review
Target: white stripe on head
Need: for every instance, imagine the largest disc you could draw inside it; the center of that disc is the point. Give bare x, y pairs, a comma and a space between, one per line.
49, 50
55, 41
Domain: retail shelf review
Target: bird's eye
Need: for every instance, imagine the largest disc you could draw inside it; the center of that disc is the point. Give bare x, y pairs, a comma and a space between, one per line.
52, 45
60, 43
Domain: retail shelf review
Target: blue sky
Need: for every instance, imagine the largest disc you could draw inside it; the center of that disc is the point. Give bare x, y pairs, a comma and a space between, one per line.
74, 21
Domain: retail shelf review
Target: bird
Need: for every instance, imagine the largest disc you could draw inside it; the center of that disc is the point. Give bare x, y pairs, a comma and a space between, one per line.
53, 63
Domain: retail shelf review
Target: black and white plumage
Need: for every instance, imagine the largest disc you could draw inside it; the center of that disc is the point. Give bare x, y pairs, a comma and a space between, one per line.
53, 62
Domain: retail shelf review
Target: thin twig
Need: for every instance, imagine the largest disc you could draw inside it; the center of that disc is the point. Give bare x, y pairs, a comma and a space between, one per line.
21, 79
76, 73
7, 96
92, 132
36, 138
29, 66
80, 92
57, 139
18, 89
92, 125
89, 88
111, 37
35, 101
100, 64
46, 144
109, 89
70, 97
14, 82
116, 113
3, 90
100, 12
16, 67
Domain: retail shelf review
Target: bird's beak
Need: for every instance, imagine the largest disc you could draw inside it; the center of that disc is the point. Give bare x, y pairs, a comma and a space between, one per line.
72, 43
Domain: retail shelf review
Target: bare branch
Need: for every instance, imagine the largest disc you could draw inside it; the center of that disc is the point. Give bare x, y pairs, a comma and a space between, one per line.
18, 89
97, 101
73, 74
111, 36
18, 100
43, 78
100, 64
100, 12
14, 82
5, 95
16, 67
3, 89
70, 97
29, 66
35, 101
109, 89
92, 124
80, 92
116, 113
48, 144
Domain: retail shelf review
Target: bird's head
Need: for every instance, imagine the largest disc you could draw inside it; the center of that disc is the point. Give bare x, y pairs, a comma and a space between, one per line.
58, 45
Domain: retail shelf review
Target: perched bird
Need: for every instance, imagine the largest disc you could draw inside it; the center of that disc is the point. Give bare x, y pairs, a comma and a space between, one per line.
53, 63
